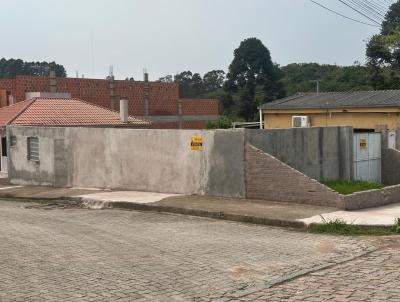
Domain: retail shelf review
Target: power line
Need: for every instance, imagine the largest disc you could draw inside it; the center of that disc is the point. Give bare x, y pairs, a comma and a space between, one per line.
378, 6
360, 12
368, 9
341, 15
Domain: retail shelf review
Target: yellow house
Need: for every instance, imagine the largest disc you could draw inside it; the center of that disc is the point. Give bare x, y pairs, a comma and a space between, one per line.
364, 110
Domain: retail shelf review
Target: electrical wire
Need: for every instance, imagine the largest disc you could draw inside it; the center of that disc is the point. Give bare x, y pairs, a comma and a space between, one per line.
341, 15
360, 12
367, 9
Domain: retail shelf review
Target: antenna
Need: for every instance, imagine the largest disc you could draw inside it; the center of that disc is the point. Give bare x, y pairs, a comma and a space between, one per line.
92, 51
111, 71
77, 74
316, 82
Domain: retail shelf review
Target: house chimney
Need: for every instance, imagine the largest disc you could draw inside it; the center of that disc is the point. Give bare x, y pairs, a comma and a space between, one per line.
53, 81
123, 110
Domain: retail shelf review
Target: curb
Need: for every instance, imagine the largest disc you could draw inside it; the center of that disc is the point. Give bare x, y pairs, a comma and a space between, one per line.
97, 204
193, 212
168, 209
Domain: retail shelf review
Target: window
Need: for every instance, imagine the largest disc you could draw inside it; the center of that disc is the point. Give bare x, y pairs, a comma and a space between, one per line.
33, 148
4, 146
13, 141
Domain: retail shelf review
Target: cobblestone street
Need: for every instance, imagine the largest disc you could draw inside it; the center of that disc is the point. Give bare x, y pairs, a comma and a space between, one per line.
375, 277
113, 255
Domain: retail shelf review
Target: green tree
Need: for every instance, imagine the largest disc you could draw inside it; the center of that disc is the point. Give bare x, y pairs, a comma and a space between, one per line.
213, 80
167, 79
184, 80
9, 69
251, 67
383, 52
298, 77
196, 85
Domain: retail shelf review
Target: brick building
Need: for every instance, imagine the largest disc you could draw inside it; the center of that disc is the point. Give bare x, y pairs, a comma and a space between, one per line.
158, 102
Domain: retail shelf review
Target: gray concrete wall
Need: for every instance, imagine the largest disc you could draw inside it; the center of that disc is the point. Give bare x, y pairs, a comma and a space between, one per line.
390, 167
134, 159
320, 153
162, 160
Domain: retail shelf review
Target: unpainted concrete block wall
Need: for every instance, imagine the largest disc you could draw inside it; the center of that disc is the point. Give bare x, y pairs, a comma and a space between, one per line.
270, 179
320, 153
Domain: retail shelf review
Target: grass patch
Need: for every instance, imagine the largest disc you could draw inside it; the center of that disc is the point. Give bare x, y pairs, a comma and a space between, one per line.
16, 199
340, 227
350, 187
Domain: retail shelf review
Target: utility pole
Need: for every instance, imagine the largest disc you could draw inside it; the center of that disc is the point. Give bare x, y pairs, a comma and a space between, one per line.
317, 82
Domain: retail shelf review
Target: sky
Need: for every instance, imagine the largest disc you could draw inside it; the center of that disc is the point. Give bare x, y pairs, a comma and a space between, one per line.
170, 36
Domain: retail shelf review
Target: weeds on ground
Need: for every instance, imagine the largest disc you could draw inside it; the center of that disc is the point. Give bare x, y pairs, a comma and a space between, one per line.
340, 227
350, 187
396, 227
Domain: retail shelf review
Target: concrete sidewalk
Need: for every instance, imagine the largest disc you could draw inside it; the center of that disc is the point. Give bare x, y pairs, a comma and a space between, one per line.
243, 210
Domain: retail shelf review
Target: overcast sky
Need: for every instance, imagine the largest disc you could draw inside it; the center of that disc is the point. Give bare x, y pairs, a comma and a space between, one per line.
169, 36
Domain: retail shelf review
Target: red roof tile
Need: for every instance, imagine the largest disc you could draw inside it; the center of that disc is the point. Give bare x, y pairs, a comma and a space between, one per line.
62, 112
7, 114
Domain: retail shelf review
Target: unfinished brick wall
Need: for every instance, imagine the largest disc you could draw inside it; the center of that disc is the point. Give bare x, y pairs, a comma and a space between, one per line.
199, 107
7, 84
270, 179
3, 98
163, 98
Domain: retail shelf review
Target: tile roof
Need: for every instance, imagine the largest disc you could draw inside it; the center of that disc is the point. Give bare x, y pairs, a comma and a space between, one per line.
326, 100
7, 114
62, 112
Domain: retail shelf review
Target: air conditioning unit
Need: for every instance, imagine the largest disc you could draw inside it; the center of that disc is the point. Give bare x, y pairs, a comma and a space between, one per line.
301, 122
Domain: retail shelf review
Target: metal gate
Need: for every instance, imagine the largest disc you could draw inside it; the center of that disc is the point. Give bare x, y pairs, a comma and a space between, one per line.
367, 157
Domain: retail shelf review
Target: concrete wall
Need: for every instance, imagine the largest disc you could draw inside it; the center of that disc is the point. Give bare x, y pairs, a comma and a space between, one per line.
390, 167
320, 153
148, 160
162, 161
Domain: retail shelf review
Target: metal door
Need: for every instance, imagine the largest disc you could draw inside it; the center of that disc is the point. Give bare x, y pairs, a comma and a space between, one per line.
367, 157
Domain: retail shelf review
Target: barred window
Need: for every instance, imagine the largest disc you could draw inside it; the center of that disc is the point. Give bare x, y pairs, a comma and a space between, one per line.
33, 148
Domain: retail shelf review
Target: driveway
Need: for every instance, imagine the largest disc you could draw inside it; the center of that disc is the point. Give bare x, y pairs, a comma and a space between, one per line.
74, 254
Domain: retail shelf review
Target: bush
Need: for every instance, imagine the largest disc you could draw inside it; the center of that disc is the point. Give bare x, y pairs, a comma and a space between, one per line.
222, 123
340, 227
396, 227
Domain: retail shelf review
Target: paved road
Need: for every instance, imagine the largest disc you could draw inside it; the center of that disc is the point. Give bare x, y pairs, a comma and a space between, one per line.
113, 255
375, 277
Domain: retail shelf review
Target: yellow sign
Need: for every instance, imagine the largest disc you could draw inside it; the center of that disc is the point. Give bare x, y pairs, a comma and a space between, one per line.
363, 143
197, 143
